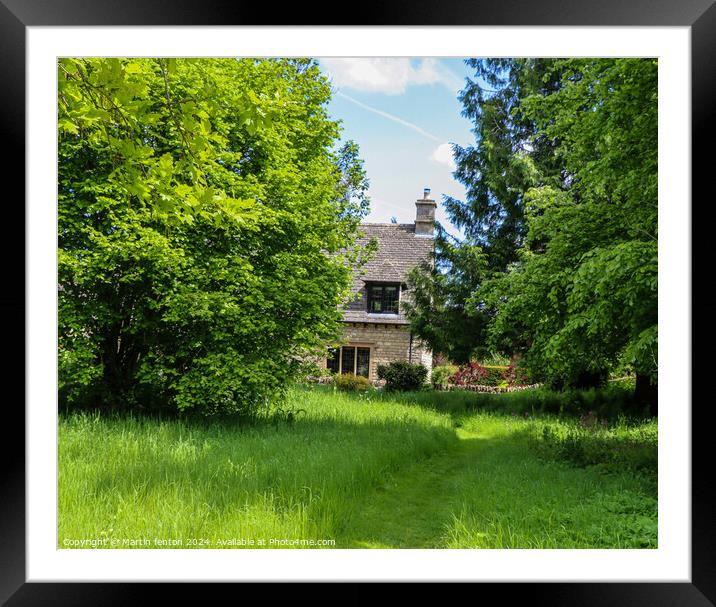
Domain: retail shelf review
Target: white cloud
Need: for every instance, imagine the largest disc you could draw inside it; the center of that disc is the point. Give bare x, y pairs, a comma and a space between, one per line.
387, 75
443, 155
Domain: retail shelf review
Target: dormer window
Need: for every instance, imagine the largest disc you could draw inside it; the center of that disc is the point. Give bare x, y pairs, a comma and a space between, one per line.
383, 297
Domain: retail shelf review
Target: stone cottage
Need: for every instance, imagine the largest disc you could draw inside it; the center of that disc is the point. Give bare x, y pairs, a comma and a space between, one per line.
375, 330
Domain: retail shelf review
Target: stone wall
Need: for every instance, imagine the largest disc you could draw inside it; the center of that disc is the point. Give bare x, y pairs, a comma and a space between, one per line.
387, 343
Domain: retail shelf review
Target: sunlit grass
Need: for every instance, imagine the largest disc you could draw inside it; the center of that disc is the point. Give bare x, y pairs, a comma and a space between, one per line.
375, 470
513, 499
142, 478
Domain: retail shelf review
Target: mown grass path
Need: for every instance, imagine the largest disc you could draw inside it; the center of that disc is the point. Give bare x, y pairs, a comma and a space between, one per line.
490, 490
414, 507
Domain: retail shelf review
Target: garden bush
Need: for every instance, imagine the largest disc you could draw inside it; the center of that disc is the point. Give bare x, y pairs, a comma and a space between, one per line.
402, 376
496, 376
516, 375
472, 374
440, 376
348, 382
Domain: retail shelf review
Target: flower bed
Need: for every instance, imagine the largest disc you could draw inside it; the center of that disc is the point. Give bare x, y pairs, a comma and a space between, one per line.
492, 379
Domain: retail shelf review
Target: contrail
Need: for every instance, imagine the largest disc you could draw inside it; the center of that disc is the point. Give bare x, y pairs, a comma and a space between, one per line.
410, 125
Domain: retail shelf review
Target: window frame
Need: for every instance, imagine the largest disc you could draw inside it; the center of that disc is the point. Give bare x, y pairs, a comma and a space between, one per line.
370, 286
355, 348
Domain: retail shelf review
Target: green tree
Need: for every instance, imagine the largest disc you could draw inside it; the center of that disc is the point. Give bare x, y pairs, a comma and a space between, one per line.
562, 198
204, 214
509, 156
440, 290
583, 295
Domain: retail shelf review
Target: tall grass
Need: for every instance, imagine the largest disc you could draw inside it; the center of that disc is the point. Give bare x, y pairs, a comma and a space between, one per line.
425, 469
624, 445
140, 478
610, 402
516, 499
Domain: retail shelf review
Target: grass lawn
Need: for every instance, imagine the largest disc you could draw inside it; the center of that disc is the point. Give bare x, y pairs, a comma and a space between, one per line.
412, 471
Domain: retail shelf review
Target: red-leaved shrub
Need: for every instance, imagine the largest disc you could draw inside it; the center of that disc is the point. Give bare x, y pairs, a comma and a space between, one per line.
472, 374
516, 376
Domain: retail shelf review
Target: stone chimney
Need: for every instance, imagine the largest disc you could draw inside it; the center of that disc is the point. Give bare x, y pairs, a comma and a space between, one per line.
425, 215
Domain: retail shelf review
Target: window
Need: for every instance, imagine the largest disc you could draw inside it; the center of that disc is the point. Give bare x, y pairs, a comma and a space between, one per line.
363, 361
333, 364
383, 298
349, 359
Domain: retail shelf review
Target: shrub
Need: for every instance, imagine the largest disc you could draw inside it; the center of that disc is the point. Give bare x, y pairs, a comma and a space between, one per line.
472, 374
347, 382
179, 284
402, 376
440, 376
516, 375
496, 376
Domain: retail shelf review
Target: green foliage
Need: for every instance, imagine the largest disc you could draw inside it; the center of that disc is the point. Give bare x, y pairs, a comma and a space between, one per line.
347, 382
496, 376
583, 296
562, 202
593, 441
437, 311
403, 376
441, 374
627, 383
203, 223
509, 157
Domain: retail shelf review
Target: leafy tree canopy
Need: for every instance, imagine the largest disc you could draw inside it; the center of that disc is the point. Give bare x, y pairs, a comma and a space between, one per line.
562, 198
583, 295
440, 290
204, 216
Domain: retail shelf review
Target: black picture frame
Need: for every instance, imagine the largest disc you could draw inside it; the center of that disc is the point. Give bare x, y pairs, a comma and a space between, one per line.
17, 15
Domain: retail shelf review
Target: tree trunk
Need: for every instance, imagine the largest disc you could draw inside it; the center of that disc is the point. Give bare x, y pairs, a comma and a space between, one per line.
647, 393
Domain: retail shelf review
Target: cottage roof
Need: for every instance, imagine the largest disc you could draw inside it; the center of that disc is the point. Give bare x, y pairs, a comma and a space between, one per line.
399, 250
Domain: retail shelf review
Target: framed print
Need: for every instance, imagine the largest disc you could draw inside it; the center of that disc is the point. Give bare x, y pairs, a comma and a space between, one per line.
678, 569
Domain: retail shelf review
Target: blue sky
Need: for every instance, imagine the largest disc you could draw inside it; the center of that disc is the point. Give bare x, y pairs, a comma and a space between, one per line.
403, 113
